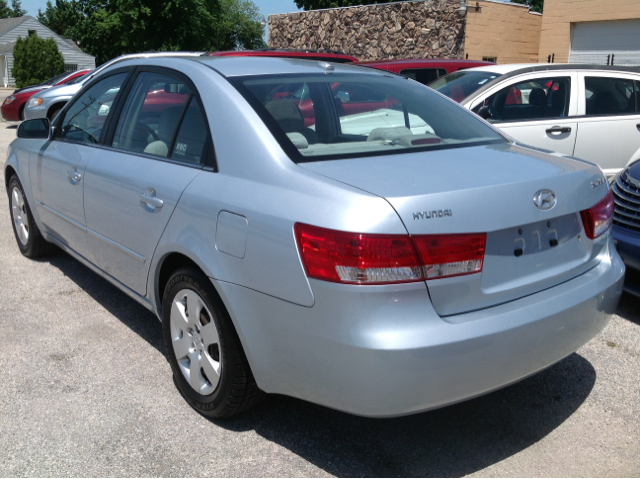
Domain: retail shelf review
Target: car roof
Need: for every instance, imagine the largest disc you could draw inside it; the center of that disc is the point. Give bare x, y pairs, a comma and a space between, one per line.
503, 69
519, 69
327, 55
230, 66
425, 62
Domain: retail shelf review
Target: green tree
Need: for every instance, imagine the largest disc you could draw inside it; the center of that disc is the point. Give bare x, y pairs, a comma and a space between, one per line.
16, 9
534, 5
35, 60
108, 28
238, 26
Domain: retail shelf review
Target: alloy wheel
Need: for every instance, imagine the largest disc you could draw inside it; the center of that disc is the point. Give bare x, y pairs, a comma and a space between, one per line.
195, 341
19, 215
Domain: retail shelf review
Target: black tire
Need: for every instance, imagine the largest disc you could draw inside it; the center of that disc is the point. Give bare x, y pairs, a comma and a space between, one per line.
35, 244
236, 390
54, 111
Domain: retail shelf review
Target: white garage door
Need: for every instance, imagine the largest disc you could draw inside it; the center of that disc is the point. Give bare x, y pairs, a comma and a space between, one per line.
593, 42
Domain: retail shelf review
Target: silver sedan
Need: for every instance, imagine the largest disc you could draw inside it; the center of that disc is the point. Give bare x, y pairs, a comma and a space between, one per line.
338, 234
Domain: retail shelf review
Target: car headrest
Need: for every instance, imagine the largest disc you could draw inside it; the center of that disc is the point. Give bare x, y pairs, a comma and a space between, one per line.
538, 97
287, 114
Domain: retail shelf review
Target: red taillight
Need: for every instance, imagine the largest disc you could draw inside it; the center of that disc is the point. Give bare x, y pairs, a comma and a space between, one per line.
357, 258
451, 255
385, 259
597, 220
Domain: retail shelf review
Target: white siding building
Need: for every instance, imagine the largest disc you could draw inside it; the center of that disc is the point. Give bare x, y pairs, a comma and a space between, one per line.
12, 28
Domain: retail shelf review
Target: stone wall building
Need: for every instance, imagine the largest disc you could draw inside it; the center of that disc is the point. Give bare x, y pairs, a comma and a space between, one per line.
502, 32
422, 29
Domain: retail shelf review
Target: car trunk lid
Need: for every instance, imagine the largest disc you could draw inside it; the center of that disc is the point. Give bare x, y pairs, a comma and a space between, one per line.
488, 189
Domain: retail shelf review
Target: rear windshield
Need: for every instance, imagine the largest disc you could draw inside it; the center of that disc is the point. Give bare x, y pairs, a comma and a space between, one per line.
346, 115
461, 84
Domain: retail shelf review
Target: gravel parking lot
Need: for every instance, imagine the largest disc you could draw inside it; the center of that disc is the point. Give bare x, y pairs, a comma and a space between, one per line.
85, 391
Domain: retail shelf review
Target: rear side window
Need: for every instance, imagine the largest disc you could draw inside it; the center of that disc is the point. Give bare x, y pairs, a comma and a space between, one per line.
424, 75
152, 114
610, 96
192, 135
536, 99
85, 119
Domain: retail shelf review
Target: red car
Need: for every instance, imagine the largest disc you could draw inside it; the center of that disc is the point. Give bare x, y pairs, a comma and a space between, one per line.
424, 70
320, 55
13, 106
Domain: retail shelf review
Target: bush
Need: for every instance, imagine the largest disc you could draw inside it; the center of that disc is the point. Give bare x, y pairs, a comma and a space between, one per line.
35, 60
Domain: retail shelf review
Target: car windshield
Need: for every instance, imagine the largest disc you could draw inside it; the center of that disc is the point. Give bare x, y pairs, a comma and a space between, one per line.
77, 79
345, 115
56, 79
460, 85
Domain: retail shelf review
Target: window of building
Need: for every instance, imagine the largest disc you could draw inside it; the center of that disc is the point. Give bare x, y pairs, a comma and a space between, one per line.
70, 67
490, 59
33, 33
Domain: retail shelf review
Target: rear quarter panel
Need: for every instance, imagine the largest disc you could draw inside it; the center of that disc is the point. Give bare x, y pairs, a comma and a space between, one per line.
258, 181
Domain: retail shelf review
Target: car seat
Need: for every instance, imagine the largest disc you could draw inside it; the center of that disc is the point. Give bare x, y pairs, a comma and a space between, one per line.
290, 118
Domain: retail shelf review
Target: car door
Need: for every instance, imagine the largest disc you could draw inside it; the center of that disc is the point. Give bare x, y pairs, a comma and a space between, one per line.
155, 148
609, 119
536, 109
58, 175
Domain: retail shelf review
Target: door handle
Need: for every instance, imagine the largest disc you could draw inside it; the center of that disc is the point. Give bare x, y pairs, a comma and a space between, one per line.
74, 177
559, 129
149, 201
638, 126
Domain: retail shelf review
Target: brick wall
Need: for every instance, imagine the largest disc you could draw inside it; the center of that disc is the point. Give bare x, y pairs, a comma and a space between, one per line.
558, 16
505, 31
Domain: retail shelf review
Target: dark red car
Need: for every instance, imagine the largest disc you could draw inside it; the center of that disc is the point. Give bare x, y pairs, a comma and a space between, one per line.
13, 106
424, 70
320, 55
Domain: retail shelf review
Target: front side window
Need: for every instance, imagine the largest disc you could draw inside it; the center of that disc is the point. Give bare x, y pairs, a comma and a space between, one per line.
609, 96
152, 114
530, 100
424, 75
85, 119
461, 84
355, 115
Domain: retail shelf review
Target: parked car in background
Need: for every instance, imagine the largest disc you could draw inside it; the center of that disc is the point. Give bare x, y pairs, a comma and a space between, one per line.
424, 70
381, 271
626, 222
13, 107
319, 55
587, 111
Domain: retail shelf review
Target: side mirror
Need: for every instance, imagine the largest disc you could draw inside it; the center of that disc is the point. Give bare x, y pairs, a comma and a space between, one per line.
484, 113
38, 129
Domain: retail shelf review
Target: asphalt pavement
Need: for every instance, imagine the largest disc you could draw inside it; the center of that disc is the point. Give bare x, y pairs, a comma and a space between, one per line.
85, 391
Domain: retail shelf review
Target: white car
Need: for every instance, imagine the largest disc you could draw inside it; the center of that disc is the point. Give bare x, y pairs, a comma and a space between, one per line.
587, 111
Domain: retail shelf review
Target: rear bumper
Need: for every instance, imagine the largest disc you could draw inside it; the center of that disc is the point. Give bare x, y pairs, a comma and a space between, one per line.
383, 351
